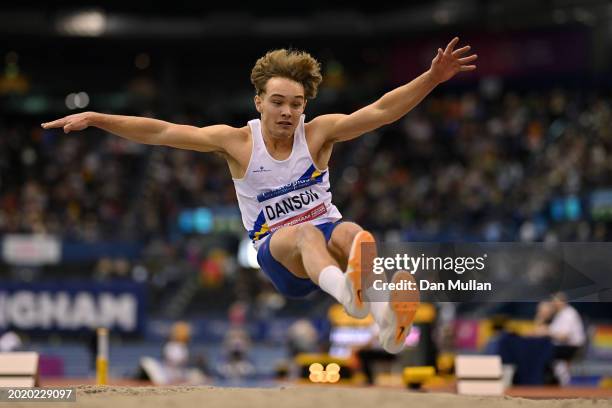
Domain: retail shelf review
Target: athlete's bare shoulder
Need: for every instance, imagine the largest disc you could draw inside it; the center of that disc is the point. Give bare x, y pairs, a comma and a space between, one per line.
227, 134
237, 151
226, 138
237, 134
318, 144
315, 131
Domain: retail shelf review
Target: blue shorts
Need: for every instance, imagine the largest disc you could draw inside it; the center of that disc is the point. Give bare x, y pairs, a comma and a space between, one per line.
283, 280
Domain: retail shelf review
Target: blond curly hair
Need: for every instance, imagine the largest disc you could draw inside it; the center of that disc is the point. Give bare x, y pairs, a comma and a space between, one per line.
298, 66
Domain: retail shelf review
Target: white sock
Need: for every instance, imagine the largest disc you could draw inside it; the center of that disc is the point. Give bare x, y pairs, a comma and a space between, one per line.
379, 303
378, 311
332, 281
562, 372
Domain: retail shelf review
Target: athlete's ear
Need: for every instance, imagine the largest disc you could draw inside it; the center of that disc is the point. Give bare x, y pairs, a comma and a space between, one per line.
258, 102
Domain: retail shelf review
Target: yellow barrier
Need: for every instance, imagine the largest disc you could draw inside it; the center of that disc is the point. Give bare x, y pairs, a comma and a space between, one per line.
426, 313
102, 358
414, 377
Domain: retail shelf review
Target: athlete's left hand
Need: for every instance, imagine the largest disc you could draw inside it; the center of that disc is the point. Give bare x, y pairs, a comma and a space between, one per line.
448, 63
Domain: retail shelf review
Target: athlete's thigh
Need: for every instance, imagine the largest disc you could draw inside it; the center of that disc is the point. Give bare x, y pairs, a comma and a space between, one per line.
283, 247
340, 242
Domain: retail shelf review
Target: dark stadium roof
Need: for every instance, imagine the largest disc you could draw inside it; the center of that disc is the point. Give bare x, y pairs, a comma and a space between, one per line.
197, 19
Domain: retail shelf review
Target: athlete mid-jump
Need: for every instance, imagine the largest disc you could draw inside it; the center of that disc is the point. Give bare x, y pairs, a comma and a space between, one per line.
279, 167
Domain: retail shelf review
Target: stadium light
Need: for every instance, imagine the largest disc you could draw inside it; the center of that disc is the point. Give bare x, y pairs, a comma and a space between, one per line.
86, 23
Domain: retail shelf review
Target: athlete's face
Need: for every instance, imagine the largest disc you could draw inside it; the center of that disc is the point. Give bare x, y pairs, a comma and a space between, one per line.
281, 106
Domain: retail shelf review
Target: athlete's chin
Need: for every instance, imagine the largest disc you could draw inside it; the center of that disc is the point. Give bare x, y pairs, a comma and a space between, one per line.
285, 132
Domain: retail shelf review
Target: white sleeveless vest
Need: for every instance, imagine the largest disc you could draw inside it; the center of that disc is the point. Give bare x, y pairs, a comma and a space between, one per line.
278, 193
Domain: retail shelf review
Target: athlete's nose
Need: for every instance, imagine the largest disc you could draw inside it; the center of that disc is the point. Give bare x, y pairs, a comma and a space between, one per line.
286, 113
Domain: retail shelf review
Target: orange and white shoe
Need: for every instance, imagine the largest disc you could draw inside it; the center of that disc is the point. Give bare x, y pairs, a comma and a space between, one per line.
355, 275
399, 315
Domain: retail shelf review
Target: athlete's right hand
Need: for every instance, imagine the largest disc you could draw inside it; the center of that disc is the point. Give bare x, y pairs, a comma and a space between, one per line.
77, 121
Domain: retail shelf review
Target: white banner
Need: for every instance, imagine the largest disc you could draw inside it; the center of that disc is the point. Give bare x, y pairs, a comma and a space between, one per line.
31, 250
47, 310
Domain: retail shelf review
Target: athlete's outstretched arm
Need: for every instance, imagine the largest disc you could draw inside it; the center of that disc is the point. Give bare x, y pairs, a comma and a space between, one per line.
150, 131
396, 103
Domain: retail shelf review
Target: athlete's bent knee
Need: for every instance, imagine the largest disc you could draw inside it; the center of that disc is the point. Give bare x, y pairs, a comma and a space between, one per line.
307, 234
346, 234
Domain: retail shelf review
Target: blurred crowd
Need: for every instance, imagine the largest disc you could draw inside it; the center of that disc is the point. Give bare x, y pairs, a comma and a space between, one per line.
91, 186
471, 167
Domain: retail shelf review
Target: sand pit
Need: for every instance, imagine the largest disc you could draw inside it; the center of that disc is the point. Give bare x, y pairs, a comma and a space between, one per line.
294, 396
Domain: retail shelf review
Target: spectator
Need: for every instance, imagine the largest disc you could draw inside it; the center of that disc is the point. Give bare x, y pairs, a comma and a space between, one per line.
566, 332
